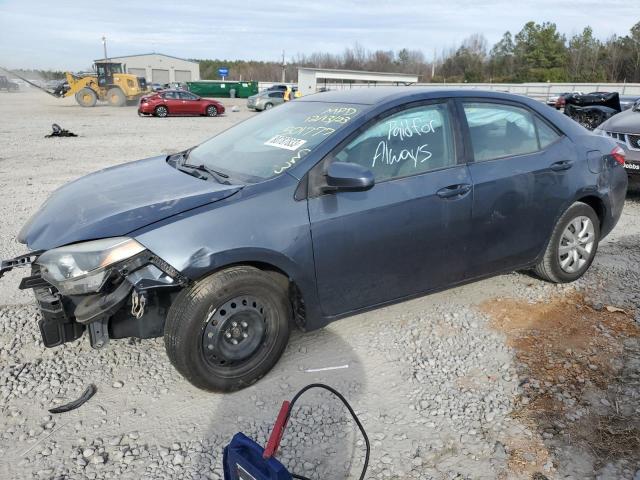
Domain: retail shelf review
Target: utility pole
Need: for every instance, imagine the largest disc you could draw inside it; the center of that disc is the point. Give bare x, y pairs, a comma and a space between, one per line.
104, 45
284, 66
433, 65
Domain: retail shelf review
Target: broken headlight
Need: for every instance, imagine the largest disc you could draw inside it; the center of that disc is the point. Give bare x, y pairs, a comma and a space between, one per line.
83, 267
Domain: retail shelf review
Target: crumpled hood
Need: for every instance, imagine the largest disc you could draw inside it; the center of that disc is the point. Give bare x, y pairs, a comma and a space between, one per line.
117, 201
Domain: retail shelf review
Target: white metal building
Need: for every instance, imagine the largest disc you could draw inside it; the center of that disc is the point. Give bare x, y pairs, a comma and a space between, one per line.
310, 80
159, 68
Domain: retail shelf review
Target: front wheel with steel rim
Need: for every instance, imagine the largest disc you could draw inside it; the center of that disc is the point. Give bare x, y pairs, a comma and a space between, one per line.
572, 246
228, 330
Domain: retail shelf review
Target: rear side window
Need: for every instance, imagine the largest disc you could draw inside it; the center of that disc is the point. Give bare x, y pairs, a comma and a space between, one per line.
546, 134
410, 142
170, 95
499, 131
277, 95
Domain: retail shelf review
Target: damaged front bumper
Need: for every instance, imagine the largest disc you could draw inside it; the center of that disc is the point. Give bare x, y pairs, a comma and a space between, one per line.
133, 302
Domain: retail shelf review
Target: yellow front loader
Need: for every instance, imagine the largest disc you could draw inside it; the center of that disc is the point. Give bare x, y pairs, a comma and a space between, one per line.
107, 84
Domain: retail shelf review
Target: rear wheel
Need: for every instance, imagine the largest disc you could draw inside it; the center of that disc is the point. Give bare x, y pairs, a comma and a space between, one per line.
212, 111
161, 111
116, 97
572, 247
228, 330
86, 97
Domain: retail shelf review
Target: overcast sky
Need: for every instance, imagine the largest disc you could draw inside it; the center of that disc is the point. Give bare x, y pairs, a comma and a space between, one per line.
62, 34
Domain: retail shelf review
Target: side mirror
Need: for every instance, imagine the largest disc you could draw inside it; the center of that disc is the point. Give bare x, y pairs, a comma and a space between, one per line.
349, 177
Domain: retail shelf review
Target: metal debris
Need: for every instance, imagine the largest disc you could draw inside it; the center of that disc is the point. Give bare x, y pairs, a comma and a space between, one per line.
58, 131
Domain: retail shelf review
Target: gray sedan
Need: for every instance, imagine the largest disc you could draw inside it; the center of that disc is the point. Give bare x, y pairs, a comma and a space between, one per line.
625, 129
265, 100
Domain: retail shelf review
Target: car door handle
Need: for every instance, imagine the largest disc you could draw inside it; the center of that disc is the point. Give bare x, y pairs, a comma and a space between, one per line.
454, 190
561, 165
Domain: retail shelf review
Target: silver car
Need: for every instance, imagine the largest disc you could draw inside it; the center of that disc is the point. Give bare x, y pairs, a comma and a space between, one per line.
265, 100
625, 129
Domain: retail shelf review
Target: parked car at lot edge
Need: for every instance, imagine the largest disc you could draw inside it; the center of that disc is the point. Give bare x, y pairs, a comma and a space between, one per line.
624, 128
330, 205
628, 101
156, 87
265, 100
553, 100
8, 85
178, 103
560, 100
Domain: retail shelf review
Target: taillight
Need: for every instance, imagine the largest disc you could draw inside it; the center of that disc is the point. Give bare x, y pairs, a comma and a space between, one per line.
618, 155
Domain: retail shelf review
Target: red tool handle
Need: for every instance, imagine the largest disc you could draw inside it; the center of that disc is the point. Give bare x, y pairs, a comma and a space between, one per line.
278, 430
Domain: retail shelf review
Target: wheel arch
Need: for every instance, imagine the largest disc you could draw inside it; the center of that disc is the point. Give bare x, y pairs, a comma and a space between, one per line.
591, 198
301, 286
597, 204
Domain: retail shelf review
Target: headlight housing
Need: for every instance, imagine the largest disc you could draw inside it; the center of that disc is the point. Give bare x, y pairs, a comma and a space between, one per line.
83, 267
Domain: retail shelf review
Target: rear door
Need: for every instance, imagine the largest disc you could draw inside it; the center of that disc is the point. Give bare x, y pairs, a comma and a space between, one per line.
521, 173
173, 102
407, 234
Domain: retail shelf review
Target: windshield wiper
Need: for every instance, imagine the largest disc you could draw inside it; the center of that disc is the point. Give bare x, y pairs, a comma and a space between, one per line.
219, 176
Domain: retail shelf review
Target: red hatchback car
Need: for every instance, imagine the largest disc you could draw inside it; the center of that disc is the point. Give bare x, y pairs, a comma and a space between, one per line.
178, 102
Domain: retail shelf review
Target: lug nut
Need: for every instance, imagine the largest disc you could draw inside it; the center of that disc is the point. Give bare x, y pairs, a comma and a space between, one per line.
245, 335
234, 341
210, 347
234, 324
244, 324
228, 334
210, 334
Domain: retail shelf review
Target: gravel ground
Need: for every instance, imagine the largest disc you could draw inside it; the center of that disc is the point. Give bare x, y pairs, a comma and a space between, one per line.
440, 389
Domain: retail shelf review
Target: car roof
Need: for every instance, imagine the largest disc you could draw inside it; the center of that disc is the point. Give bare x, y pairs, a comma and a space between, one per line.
375, 95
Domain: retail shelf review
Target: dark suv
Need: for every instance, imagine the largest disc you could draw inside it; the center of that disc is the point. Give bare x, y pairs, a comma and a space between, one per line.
330, 205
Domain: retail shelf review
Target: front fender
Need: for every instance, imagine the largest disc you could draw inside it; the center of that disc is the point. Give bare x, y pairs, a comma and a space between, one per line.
261, 225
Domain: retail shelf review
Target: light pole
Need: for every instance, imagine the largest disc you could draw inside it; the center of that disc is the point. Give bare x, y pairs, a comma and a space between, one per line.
104, 45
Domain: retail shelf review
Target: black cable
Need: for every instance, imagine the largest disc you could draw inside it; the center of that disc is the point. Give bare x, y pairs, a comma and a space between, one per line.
353, 415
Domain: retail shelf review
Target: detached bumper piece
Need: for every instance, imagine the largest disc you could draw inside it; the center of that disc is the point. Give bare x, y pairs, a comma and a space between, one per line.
56, 327
18, 262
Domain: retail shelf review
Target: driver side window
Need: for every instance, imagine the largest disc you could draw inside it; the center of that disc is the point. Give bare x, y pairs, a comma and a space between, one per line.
410, 142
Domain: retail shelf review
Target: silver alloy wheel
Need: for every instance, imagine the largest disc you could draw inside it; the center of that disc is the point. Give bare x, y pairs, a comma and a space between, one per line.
576, 244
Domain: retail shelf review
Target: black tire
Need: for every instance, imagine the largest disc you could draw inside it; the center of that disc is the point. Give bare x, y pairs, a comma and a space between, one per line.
161, 111
116, 97
212, 111
268, 106
86, 97
550, 267
199, 317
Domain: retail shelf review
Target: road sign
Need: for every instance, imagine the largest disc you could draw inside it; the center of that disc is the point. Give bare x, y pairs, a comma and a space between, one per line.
223, 72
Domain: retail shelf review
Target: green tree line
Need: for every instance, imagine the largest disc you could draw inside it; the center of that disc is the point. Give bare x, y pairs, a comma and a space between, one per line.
537, 53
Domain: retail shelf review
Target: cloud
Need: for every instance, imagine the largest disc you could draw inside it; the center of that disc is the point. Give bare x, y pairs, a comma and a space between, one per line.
66, 35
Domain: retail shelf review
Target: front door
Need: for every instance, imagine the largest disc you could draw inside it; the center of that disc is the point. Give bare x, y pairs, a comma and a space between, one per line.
190, 103
521, 173
408, 233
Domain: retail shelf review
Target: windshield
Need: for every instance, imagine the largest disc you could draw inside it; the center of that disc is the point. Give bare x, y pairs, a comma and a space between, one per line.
271, 142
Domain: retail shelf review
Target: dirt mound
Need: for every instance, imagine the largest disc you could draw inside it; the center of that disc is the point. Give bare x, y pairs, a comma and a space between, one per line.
578, 374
